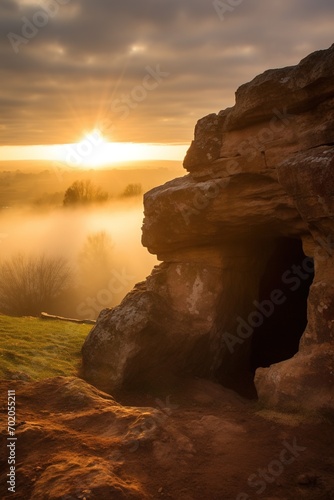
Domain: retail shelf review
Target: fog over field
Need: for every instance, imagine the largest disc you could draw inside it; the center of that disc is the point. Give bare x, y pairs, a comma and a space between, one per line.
99, 244
63, 233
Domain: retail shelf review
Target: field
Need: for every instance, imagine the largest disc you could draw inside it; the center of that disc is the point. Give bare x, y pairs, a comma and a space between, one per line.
35, 349
197, 441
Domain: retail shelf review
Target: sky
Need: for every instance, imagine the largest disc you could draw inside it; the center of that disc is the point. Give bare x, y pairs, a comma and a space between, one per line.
140, 71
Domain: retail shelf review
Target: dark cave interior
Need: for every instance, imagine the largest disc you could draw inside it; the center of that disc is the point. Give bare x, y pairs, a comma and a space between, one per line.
292, 272
276, 328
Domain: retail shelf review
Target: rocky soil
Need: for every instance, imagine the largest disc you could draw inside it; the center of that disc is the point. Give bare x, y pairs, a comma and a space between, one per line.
198, 441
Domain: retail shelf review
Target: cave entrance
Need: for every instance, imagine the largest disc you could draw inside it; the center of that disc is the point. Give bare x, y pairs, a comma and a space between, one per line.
276, 318
289, 272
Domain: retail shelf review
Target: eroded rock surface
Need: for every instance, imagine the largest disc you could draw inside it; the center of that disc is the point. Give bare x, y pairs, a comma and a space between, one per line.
261, 177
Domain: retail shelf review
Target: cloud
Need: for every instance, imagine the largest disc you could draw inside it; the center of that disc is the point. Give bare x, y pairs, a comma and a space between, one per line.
90, 53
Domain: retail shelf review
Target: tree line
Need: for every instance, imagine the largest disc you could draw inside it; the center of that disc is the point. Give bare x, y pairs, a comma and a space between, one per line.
86, 193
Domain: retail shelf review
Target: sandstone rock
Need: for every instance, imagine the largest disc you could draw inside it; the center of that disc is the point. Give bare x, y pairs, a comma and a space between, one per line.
305, 381
260, 188
298, 89
217, 213
156, 323
206, 146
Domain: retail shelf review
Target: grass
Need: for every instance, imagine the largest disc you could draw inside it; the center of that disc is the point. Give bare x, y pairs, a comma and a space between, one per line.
35, 349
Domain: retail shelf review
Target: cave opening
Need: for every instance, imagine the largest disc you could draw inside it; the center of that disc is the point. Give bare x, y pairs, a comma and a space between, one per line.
277, 317
289, 273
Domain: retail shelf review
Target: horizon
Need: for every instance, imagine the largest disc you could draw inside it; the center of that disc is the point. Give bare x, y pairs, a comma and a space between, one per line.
68, 70
95, 154
167, 249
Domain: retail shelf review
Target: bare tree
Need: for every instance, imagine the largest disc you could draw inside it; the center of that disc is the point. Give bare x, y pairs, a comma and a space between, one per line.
132, 190
84, 193
95, 261
30, 284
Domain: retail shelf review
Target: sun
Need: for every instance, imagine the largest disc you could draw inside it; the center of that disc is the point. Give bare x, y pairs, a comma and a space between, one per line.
92, 149
94, 136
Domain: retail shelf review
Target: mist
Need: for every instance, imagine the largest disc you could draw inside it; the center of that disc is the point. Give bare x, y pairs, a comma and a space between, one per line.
94, 247
66, 232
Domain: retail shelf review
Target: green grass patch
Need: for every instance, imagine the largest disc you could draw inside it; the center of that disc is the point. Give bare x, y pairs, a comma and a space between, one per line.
31, 348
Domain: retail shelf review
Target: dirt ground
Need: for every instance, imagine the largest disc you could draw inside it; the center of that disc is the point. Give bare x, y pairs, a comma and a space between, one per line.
198, 442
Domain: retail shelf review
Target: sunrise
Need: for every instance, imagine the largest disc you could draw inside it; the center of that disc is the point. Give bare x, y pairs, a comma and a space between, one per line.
166, 249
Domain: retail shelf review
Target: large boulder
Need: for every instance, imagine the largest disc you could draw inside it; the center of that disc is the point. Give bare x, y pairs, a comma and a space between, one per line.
144, 339
247, 240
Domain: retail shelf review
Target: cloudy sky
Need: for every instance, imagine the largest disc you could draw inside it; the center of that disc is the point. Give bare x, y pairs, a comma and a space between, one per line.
141, 70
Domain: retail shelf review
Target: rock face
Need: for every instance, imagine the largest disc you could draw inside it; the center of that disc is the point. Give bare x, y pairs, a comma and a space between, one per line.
246, 289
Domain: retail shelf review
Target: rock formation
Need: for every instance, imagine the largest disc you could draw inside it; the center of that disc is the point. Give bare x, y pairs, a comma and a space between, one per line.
245, 292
